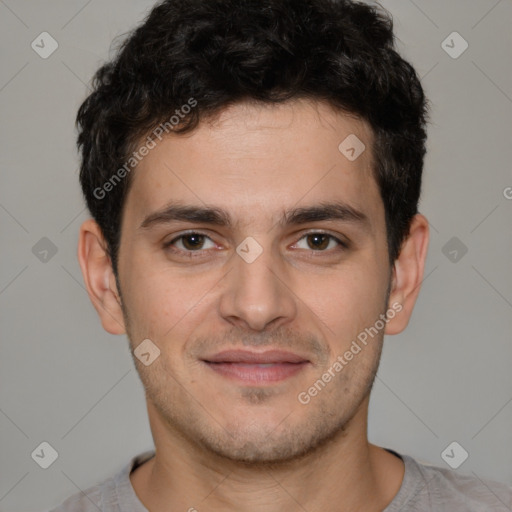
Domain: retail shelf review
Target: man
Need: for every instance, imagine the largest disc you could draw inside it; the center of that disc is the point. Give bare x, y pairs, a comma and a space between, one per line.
253, 169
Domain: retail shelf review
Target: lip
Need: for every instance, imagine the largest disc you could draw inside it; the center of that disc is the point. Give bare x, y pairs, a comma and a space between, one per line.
245, 356
245, 367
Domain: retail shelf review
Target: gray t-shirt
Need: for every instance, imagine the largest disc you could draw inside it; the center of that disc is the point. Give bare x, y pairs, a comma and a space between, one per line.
424, 488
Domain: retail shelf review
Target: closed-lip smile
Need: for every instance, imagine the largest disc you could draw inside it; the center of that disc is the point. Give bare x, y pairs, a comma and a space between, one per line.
251, 367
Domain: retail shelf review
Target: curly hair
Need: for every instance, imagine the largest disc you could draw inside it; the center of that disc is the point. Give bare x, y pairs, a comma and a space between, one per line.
219, 52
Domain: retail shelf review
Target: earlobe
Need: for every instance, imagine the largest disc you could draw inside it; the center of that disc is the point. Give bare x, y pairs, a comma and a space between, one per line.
407, 274
99, 277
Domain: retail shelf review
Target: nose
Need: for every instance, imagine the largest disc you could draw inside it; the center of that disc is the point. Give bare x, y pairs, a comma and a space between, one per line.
256, 294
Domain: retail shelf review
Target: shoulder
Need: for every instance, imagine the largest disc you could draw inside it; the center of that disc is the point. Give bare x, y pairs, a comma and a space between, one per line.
89, 500
114, 494
445, 489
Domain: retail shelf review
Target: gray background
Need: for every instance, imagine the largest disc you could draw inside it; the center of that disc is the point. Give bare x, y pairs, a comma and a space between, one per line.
65, 381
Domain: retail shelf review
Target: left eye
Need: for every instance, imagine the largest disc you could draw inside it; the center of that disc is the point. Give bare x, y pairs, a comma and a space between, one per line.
319, 242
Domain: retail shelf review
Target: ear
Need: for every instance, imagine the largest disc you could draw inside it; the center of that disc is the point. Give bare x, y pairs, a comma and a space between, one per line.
99, 277
407, 274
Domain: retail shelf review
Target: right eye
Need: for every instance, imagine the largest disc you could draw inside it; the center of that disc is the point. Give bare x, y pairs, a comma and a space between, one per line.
189, 242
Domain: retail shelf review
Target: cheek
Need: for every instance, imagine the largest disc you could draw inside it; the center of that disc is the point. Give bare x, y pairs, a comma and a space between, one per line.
349, 300
161, 302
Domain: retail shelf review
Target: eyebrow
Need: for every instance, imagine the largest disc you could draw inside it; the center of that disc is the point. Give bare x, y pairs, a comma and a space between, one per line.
218, 217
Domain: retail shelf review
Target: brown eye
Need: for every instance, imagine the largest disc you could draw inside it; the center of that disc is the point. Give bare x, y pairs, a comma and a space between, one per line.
318, 241
193, 242
190, 242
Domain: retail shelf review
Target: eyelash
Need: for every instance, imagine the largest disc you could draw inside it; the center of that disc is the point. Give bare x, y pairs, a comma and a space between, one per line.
200, 252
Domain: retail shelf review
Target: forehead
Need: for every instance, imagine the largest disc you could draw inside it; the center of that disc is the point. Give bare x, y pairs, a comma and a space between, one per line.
255, 160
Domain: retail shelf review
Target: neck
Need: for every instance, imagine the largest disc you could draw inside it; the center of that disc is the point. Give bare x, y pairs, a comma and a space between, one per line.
347, 473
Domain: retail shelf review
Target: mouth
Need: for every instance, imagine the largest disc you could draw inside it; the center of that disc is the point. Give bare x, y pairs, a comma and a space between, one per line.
256, 368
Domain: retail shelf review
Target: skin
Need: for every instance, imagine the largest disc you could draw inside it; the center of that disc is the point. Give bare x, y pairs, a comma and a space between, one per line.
224, 445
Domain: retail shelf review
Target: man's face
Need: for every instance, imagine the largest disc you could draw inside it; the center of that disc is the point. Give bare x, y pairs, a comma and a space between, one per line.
291, 287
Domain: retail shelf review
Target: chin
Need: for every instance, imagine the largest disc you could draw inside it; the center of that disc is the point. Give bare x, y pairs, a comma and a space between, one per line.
270, 445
